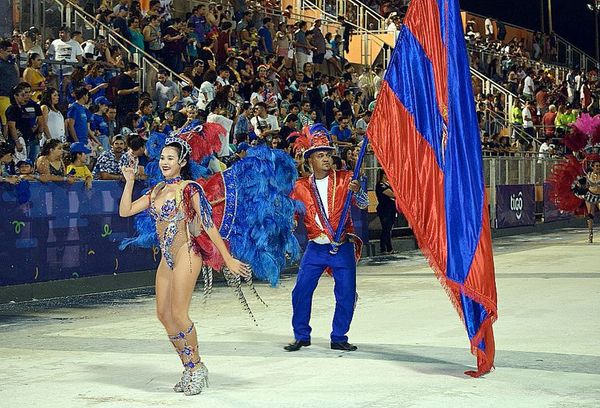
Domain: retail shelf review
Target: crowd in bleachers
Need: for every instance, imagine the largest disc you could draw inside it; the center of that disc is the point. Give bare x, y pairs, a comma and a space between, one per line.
549, 96
262, 75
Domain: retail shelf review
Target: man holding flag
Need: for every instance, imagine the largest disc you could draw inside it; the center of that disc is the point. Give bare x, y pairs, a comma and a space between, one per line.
425, 134
332, 244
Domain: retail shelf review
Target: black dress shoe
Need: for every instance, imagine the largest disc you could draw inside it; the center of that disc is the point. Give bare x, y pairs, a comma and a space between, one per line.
295, 346
345, 346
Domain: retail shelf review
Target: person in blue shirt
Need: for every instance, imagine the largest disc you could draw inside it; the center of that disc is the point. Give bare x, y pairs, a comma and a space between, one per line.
99, 124
95, 81
266, 39
78, 117
341, 133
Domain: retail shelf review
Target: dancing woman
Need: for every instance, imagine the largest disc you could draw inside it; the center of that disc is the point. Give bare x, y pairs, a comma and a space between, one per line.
592, 196
181, 211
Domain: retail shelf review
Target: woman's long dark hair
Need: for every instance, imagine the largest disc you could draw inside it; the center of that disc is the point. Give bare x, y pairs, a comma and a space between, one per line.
46, 98
49, 145
186, 171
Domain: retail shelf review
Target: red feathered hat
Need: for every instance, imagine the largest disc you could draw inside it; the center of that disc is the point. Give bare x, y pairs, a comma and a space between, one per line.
313, 138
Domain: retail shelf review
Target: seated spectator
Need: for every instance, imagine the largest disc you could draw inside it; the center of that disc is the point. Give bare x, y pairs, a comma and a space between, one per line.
50, 164
77, 168
136, 155
289, 126
361, 126
109, 163
341, 133
25, 171
7, 169
264, 124
240, 153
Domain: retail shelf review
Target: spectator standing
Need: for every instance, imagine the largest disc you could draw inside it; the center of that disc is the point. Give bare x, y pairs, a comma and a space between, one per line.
54, 121
223, 43
167, 92
361, 126
318, 40
99, 124
33, 76
207, 89
301, 46
198, 21
78, 118
153, 37
266, 37
548, 121
111, 120
175, 42
24, 119
304, 115
386, 211
65, 49
242, 124
119, 23
94, 80
127, 90
9, 72
135, 33
528, 86
528, 123
110, 162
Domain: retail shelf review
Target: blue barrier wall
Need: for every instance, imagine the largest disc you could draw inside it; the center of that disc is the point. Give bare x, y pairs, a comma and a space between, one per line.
66, 231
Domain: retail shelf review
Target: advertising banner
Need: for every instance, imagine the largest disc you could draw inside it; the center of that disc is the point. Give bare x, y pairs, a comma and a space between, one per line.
515, 205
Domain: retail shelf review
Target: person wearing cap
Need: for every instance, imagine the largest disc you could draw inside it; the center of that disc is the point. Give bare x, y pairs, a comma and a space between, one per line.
25, 170
99, 124
323, 195
78, 168
110, 162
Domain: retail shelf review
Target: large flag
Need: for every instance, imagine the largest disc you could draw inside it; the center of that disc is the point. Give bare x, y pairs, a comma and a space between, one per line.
425, 134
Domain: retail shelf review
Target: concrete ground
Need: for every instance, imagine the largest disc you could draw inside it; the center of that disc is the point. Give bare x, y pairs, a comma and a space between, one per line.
109, 350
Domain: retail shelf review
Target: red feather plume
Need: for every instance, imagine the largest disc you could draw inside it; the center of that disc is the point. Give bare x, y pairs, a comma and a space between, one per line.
204, 140
562, 178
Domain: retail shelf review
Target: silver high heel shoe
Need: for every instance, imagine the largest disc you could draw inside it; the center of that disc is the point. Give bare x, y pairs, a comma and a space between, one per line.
198, 381
182, 384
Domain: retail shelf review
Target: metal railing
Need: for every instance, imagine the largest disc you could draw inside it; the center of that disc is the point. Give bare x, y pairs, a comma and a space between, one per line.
356, 13
488, 86
76, 17
366, 36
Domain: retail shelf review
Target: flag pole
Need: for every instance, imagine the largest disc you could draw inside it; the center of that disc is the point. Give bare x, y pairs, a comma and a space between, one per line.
340, 229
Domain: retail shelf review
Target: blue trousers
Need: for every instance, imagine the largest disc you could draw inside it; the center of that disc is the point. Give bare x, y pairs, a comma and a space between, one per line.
316, 258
